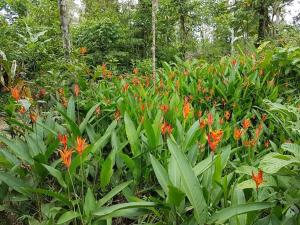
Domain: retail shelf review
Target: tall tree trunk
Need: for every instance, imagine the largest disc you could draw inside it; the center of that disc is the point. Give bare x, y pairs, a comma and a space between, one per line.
182, 28
154, 9
263, 21
62, 4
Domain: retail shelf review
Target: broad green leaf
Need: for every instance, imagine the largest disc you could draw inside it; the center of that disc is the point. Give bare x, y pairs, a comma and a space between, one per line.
67, 217
58, 196
132, 134
88, 116
223, 215
89, 202
73, 126
103, 211
293, 148
57, 174
273, 162
190, 182
190, 135
17, 150
71, 109
14, 183
175, 195
116, 190
160, 173
204, 165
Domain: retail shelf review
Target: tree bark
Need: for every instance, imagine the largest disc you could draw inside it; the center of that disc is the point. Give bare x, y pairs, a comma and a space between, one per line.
62, 5
262, 22
154, 9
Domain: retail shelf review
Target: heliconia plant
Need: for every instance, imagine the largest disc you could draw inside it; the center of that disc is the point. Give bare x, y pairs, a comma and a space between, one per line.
205, 144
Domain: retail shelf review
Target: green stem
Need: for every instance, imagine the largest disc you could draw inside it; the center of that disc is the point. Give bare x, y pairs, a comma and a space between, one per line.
76, 196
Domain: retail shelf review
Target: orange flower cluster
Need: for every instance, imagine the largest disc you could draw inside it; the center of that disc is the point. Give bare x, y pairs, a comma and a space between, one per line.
15, 93
164, 108
63, 139
33, 117
166, 128
22, 110
258, 179
237, 134
135, 71
214, 138
66, 156
210, 119
227, 115
83, 50
81, 145
202, 123
246, 123
125, 87
186, 109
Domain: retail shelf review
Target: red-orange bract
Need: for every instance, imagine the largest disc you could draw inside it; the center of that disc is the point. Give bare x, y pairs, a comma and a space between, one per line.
76, 90
63, 139
246, 123
15, 93
186, 109
164, 108
214, 138
237, 134
81, 145
166, 128
258, 179
66, 156
210, 119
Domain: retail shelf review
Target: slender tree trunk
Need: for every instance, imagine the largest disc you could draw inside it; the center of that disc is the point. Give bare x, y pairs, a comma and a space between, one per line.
154, 9
62, 4
183, 28
263, 21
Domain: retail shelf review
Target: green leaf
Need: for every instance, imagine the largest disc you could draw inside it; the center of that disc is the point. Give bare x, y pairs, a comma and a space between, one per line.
67, 216
112, 193
71, 109
273, 162
17, 150
190, 135
57, 174
14, 183
89, 202
160, 173
190, 182
175, 195
223, 215
204, 165
88, 116
293, 148
64, 199
132, 135
103, 211
73, 126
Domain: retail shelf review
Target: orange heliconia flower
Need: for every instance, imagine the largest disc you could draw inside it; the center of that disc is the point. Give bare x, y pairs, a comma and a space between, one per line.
33, 117
64, 102
81, 145
136, 81
166, 128
63, 139
210, 119
22, 110
186, 109
264, 117
42, 93
249, 143
164, 108
125, 87
221, 121
15, 93
267, 144
202, 123
76, 90
214, 138
258, 179
246, 123
227, 115
258, 130
237, 133
104, 70
82, 50
135, 71
61, 92
66, 156
199, 114
142, 107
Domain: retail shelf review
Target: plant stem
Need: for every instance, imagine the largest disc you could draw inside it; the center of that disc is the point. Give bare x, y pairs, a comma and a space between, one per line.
76, 197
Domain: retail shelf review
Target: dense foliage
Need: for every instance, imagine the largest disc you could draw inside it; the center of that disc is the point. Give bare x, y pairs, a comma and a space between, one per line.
88, 135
